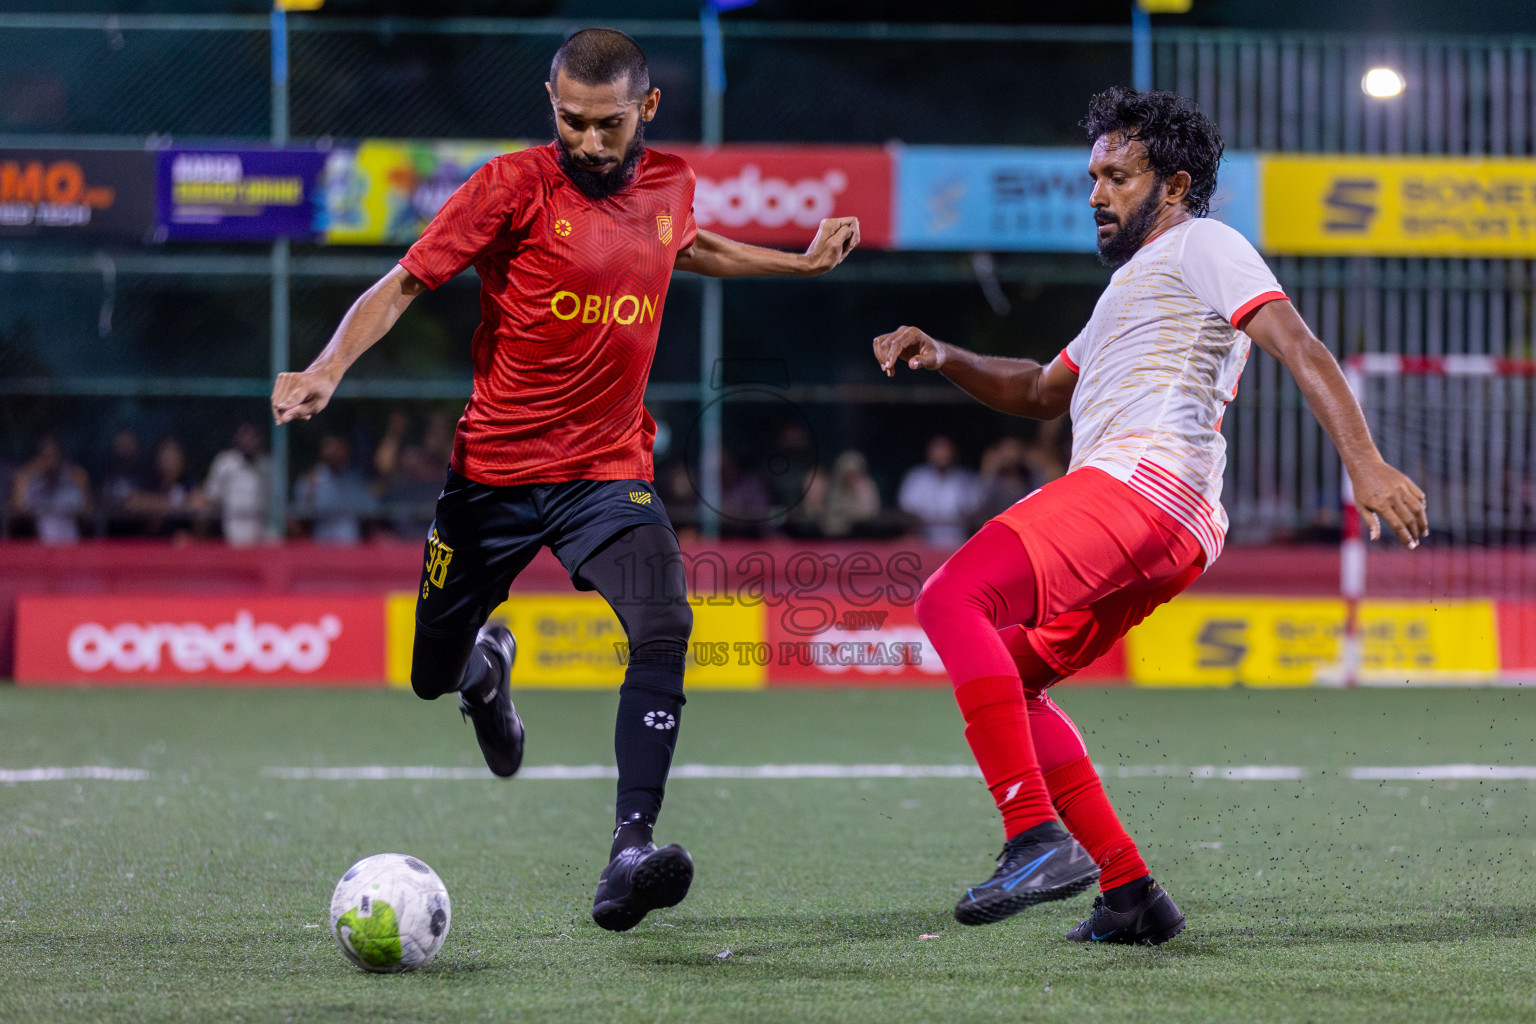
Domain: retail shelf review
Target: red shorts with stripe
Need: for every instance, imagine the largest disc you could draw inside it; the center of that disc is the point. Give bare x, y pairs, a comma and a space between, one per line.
1103, 557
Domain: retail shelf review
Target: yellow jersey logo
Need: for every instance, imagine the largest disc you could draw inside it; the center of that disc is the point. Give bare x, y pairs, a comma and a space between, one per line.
607, 309
562, 227
640, 497
664, 228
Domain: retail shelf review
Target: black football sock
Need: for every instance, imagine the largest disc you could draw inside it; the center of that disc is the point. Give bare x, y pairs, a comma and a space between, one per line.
1123, 898
650, 706
652, 606
632, 831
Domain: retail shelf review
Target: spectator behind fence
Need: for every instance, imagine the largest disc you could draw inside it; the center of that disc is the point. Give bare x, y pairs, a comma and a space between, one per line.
845, 500
746, 507
166, 505
788, 469
53, 492
675, 486
941, 495
238, 485
1005, 477
125, 476
412, 476
1047, 455
334, 495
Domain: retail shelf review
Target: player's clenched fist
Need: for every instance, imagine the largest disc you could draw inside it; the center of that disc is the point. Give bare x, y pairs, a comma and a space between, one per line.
835, 239
298, 396
911, 346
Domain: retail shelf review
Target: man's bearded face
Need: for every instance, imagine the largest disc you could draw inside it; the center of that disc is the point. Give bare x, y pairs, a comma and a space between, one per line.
1131, 230
605, 176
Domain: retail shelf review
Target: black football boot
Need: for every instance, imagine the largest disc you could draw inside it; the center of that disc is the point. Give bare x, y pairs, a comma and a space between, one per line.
1038, 865
1151, 921
497, 727
638, 880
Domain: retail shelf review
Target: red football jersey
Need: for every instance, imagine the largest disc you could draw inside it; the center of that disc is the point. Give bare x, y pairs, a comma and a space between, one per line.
571, 295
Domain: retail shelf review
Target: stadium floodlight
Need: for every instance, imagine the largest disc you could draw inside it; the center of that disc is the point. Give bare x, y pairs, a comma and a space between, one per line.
1382, 83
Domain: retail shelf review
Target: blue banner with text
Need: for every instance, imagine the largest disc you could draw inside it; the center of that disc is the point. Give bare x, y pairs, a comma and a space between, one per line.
1026, 200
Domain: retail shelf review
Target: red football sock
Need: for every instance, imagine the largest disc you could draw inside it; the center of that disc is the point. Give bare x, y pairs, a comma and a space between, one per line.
997, 728
1085, 809
987, 583
1075, 787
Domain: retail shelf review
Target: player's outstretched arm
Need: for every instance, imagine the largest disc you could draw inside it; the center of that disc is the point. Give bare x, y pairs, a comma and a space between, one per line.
1018, 386
298, 396
1381, 491
715, 256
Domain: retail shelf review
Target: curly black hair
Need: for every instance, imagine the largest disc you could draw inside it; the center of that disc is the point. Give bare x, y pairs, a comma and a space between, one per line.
1177, 134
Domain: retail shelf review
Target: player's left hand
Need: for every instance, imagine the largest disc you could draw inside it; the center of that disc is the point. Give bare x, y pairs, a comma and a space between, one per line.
1383, 492
912, 346
835, 239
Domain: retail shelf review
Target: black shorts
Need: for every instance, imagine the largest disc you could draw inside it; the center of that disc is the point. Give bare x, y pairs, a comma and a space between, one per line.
483, 536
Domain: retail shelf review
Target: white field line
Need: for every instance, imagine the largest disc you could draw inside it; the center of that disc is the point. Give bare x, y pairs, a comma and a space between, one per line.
13, 775
566, 773
1235, 773
1438, 772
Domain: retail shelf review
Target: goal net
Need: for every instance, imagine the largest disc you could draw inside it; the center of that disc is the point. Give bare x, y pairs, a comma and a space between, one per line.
1462, 606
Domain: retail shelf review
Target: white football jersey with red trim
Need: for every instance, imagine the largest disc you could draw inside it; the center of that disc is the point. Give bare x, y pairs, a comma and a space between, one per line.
1158, 363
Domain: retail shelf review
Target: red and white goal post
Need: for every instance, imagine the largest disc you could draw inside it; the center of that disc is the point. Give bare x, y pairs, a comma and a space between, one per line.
1464, 428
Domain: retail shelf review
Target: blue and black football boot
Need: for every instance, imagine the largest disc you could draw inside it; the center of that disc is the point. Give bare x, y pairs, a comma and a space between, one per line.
497, 727
638, 880
1151, 920
1038, 865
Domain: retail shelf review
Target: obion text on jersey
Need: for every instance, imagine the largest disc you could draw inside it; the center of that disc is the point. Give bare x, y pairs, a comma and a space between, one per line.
619, 309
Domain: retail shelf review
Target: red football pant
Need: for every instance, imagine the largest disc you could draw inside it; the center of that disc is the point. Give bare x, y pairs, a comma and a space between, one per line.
1077, 564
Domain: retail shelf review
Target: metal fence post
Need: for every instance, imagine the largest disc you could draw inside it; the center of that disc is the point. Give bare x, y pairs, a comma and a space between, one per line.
711, 308
277, 507
1141, 48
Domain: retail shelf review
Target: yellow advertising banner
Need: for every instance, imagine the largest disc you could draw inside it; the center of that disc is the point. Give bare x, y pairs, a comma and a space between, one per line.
1397, 206
386, 191
574, 641
1294, 642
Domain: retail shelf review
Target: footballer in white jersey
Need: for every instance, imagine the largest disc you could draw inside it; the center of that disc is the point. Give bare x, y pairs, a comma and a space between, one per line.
1050, 584
1157, 364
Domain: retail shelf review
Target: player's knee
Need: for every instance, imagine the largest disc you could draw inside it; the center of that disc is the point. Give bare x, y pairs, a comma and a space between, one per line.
658, 652
431, 682
427, 688
662, 627
677, 621
932, 600
953, 596
437, 663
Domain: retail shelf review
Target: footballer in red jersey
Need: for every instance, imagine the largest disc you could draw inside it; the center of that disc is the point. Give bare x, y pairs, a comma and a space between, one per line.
575, 243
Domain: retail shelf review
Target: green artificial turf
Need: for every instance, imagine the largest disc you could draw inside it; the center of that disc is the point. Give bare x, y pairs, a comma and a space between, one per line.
200, 893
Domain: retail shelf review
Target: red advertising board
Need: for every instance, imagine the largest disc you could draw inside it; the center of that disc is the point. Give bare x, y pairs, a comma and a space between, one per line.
777, 195
835, 643
117, 640
1517, 638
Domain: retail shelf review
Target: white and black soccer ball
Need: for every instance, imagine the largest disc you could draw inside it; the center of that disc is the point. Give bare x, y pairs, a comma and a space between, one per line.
390, 913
